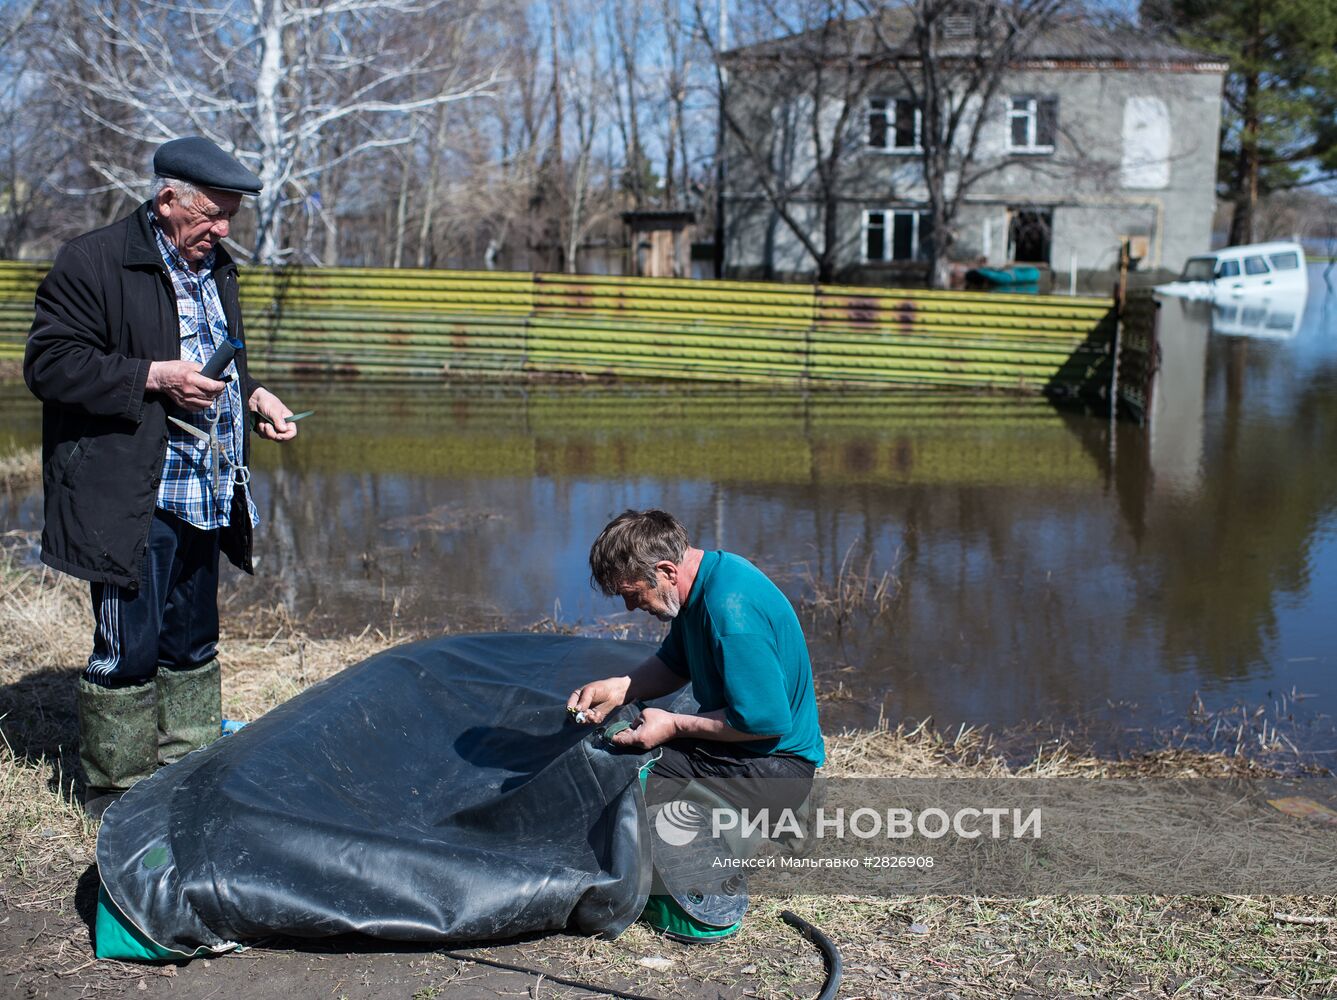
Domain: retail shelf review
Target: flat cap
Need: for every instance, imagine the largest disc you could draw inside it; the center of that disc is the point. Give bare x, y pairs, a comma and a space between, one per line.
196, 160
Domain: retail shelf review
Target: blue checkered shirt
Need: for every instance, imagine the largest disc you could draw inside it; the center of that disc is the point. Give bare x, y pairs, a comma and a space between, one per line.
187, 487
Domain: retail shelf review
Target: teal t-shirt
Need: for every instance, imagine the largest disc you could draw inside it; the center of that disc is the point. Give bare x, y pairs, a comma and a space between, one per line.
738, 640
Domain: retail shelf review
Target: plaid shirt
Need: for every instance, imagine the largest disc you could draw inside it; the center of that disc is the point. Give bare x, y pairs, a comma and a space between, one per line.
187, 487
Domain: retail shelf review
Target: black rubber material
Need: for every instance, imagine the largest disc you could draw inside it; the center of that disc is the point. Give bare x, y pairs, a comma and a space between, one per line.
435, 792
226, 350
830, 953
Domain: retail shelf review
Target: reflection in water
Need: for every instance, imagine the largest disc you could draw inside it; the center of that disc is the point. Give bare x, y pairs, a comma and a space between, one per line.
1045, 572
1259, 316
1253, 543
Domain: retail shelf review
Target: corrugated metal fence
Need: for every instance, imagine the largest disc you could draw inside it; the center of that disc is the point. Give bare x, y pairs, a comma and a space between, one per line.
397, 324
1139, 353
18, 283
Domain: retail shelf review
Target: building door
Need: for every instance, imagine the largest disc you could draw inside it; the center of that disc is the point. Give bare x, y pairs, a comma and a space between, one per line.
1030, 235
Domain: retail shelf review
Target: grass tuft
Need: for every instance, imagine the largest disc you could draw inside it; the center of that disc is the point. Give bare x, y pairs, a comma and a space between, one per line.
20, 469
857, 590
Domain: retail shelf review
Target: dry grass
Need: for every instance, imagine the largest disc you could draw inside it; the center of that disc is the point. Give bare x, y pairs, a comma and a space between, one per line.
45, 626
969, 948
270, 663
46, 843
20, 469
1200, 947
857, 589
921, 751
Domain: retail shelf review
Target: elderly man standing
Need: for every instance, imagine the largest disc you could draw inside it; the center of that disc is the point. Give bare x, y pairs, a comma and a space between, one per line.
736, 638
145, 459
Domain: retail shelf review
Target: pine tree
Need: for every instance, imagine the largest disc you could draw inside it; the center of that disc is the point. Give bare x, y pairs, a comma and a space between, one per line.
1279, 120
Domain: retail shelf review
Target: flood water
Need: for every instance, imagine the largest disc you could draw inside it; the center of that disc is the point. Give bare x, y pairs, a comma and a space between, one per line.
1034, 569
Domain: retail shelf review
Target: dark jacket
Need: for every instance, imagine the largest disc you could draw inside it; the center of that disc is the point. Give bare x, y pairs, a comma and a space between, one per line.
104, 311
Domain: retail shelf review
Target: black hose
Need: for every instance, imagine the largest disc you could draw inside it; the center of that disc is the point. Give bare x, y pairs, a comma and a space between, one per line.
830, 955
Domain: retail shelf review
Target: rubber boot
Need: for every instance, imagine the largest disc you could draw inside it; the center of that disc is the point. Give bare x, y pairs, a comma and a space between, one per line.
190, 710
118, 740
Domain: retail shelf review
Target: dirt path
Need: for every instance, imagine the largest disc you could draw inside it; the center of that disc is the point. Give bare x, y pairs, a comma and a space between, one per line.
48, 953
46, 950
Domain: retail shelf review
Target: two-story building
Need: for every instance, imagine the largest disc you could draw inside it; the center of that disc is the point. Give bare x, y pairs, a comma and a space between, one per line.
1090, 136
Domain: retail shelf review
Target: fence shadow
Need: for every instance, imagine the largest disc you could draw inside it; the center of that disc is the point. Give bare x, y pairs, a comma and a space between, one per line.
1083, 379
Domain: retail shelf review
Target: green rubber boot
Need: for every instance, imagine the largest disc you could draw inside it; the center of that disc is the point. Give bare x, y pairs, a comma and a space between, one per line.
190, 710
118, 740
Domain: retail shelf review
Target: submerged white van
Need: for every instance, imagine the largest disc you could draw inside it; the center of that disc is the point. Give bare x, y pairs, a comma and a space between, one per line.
1257, 268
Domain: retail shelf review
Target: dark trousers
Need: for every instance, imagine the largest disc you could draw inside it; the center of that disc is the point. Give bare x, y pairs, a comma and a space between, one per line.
171, 621
751, 783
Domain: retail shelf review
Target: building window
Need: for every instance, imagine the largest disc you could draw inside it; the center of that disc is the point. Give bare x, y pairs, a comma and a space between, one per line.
891, 234
1032, 123
895, 124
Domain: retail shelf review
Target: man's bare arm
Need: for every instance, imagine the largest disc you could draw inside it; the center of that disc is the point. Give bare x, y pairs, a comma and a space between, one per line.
655, 727
651, 679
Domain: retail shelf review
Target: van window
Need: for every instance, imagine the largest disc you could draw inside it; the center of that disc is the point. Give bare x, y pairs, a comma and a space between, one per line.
1228, 269
1197, 269
1255, 265
1285, 261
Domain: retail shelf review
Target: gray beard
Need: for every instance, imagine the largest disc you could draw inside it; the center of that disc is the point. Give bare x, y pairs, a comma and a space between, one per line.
673, 604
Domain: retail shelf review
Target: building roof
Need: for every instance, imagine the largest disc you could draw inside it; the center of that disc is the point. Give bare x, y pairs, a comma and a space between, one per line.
1071, 40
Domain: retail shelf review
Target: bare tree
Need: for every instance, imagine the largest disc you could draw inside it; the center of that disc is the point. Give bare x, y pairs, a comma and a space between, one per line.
626, 36
297, 88
794, 116
361, 118
27, 149
656, 65
582, 84
675, 92
15, 20
950, 57
429, 204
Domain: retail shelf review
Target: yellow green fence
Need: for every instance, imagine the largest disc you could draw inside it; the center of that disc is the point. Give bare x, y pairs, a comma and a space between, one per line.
18, 284
401, 324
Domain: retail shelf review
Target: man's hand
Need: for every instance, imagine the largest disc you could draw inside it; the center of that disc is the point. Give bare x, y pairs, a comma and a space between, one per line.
182, 383
598, 698
655, 726
273, 427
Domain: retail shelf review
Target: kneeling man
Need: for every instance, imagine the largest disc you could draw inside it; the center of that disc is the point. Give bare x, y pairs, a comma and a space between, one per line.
735, 636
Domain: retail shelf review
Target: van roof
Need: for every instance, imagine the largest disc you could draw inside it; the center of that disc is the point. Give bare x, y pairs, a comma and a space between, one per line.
1252, 249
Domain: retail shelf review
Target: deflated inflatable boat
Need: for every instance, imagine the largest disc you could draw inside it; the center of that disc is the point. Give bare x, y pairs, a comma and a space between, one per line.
436, 792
